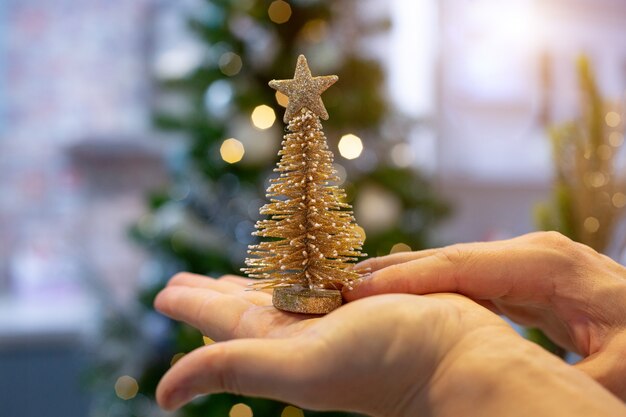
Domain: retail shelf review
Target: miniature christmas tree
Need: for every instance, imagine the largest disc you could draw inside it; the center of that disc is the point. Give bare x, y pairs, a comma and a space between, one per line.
312, 234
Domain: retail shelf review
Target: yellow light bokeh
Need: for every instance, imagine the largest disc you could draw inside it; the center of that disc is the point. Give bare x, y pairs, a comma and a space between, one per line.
279, 11
126, 387
619, 200
616, 139
207, 340
176, 358
263, 117
282, 99
230, 63
591, 224
291, 411
400, 247
232, 150
350, 146
597, 179
612, 119
240, 410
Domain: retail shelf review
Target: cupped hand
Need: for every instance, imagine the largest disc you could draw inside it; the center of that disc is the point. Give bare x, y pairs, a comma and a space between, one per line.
545, 280
383, 355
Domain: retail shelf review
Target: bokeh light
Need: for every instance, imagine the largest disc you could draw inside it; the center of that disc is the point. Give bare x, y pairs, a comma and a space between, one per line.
616, 139
612, 119
176, 358
232, 150
263, 117
350, 146
402, 155
291, 411
279, 11
591, 224
240, 410
126, 387
400, 247
230, 63
619, 200
282, 99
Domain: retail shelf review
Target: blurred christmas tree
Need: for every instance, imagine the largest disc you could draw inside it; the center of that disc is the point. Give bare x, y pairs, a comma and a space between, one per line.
204, 221
589, 190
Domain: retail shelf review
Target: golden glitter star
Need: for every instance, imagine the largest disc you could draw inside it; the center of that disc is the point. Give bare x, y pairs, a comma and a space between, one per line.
304, 90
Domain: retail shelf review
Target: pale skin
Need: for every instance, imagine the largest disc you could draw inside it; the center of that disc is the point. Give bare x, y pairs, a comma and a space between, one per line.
420, 351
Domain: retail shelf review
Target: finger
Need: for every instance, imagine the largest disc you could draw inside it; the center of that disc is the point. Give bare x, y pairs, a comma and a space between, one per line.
245, 283
200, 281
216, 314
241, 281
225, 316
270, 368
374, 264
227, 284
607, 366
481, 271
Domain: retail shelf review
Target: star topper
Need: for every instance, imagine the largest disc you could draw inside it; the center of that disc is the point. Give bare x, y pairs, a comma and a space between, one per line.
304, 90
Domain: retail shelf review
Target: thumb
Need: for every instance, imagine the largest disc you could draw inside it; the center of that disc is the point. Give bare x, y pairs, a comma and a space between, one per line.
270, 368
607, 366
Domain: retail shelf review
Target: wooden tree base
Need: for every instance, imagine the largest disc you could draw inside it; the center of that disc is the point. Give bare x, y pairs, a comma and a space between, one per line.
306, 301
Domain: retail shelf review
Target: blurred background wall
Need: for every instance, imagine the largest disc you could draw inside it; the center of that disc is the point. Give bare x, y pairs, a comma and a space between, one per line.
478, 81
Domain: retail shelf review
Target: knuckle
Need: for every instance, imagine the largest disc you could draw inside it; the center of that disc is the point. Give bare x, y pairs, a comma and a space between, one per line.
552, 238
453, 255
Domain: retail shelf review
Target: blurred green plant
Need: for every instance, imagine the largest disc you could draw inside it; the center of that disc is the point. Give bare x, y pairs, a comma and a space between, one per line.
589, 188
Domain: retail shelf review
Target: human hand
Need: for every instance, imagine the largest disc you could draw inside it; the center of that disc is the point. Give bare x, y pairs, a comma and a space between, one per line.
386, 355
545, 280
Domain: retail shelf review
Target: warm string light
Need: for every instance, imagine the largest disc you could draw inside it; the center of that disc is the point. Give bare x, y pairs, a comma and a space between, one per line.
232, 150
126, 387
612, 119
350, 146
591, 224
176, 358
282, 99
400, 247
240, 410
619, 200
291, 411
263, 117
279, 11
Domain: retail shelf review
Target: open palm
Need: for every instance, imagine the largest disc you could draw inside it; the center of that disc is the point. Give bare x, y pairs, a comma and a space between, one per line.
377, 355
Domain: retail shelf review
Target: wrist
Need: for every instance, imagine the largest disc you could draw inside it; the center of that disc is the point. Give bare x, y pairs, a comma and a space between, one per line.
507, 375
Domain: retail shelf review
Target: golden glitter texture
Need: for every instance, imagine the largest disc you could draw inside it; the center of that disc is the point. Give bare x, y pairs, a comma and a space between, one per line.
304, 91
304, 300
311, 236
